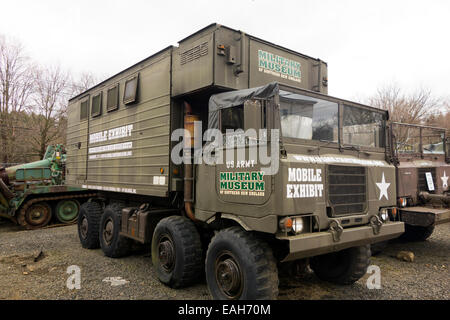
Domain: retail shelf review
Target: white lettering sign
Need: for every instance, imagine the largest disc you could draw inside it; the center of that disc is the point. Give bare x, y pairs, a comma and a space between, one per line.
320, 159
429, 181
111, 134
303, 190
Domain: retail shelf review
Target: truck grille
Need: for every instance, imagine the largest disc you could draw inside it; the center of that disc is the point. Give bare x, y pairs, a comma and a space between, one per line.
347, 189
422, 184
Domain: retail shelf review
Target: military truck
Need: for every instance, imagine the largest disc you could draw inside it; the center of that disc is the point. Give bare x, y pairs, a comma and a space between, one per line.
304, 175
422, 158
33, 194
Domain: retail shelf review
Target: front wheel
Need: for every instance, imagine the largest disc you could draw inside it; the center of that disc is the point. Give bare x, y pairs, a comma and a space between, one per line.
240, 267
343, 267
377, 248
417, 233
177, 252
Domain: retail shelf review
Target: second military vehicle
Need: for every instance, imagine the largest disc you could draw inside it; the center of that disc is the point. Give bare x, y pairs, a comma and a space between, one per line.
225, 154
423, 166
32, 194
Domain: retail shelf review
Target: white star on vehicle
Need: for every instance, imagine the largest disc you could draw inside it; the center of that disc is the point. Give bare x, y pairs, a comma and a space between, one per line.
444, 181
383, 186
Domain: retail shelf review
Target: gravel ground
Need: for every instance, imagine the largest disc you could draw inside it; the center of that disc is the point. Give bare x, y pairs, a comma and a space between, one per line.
428, 277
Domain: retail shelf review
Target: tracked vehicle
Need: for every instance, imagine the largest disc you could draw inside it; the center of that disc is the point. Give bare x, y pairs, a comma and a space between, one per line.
422, 159
33, 194
303, 175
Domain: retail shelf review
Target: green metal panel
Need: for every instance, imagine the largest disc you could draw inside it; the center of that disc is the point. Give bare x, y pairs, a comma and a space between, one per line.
33, 174
193, 63
228, 58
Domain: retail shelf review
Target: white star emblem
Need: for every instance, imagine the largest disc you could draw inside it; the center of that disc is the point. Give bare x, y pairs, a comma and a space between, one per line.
383, 186
444, 181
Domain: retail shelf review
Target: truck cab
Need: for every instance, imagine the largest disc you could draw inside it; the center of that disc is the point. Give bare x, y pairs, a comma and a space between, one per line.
422, 160
331, 178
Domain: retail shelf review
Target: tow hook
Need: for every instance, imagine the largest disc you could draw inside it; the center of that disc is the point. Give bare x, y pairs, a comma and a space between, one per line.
376, 223
336, 230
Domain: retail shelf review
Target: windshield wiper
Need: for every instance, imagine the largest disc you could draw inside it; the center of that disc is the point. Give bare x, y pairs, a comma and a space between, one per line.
351, 148
326, 141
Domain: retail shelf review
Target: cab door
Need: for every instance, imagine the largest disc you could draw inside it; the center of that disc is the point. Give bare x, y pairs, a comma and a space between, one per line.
240, 177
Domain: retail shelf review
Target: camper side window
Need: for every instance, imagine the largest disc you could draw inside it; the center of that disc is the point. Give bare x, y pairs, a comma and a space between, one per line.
112, 99
84, 109
130, 92
232, 118
97, 105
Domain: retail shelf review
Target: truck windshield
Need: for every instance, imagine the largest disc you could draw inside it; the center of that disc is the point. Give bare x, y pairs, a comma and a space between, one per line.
408, 138
312, 118
432, 141
308, 118
363, 127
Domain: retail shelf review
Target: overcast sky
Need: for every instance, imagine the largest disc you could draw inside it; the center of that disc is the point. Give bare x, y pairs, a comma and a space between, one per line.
365, 43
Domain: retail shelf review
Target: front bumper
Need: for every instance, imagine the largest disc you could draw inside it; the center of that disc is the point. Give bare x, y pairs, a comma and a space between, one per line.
424, 216
313, 244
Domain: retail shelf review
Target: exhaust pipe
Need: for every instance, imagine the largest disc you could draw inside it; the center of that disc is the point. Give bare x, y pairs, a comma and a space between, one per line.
189, 120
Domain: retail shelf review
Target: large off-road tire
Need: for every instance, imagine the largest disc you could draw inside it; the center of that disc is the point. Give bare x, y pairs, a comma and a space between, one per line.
417, 233
112, 243
177, 252
240, 266
343, 267
377, 248
88, 224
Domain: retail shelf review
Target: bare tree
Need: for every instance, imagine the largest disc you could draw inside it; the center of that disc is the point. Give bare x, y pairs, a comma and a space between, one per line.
84, 82
407, 108
52, 90
16, 86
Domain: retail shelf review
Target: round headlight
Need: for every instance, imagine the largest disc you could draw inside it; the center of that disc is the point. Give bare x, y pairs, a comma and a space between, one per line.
297, 225
384, 215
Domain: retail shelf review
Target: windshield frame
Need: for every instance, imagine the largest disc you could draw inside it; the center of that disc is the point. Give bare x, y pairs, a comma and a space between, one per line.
421, 152
340, 102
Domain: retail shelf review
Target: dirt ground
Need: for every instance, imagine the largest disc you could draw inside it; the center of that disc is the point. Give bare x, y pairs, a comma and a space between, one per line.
34, 265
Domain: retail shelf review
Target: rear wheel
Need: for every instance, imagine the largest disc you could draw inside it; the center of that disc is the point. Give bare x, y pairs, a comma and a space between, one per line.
343, 267
36, 216
177, 252
88, 224
67, 211
112, 243
417, 233
240, 267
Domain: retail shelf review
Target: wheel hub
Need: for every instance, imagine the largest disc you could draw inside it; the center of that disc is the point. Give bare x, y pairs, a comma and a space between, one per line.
84, 227
108, 231
229, 276
38, 215
166, 254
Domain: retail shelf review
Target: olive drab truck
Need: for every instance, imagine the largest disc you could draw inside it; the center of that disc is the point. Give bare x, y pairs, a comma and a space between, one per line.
33, 194
422, 158
225, 154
